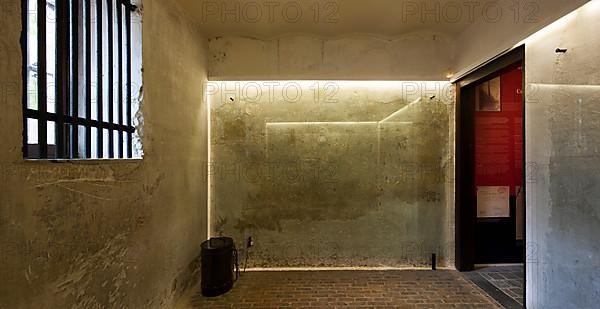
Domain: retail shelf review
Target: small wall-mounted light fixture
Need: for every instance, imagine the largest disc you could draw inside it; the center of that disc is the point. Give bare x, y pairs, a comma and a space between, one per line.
560, 50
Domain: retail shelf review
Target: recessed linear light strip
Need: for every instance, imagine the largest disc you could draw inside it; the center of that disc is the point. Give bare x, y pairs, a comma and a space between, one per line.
380, 268
208, 177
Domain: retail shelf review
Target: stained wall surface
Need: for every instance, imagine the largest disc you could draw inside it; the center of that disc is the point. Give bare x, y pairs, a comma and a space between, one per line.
413, 56
503, 24
562, 138
108, 234
336, 173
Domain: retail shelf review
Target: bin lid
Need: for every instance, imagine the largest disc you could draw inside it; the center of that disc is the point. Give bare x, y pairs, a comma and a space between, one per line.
217, 243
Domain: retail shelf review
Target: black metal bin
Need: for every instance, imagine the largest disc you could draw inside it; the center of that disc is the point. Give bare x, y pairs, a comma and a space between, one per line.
219, 263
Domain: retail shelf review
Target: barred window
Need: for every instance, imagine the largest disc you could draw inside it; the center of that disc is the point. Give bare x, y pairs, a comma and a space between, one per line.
80, 94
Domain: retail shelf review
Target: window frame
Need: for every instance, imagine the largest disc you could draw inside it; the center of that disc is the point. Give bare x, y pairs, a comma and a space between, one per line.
73, 21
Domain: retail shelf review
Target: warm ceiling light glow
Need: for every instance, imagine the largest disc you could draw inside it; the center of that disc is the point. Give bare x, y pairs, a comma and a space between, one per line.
323, 91
559, 24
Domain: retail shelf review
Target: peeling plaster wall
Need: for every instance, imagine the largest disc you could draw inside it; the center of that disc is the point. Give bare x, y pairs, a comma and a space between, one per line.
414, 56
335, 173
563, 138
108, 234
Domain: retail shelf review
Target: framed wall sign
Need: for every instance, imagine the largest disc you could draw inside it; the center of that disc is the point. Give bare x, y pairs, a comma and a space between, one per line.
493, 201
487, 96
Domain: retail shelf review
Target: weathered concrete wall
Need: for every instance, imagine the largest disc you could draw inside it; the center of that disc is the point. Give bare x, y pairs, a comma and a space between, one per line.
108, 234
563, 134
415, 56
501, 25
333, 173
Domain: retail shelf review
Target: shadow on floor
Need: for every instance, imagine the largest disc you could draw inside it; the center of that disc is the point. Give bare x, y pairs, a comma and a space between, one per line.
503, 283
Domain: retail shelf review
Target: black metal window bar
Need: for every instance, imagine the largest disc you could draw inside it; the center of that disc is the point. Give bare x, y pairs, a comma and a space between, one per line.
77, 79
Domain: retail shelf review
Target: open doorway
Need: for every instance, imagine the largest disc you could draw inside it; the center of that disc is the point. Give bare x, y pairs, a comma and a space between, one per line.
490, 173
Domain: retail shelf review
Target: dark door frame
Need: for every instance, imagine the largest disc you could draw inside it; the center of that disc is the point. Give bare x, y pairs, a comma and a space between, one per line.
465, 217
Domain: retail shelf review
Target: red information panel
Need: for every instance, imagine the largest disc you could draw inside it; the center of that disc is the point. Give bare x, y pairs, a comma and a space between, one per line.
499, 135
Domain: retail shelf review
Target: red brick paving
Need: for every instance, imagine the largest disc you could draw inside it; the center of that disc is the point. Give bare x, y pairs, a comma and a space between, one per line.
350, 289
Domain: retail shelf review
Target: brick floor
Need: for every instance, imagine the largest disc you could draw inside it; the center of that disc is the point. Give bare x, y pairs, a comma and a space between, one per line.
354, 289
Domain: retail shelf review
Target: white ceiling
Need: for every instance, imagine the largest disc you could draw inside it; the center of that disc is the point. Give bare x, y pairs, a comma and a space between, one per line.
264, 19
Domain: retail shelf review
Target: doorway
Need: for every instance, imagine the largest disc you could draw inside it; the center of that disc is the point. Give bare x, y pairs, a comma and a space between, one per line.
490, 168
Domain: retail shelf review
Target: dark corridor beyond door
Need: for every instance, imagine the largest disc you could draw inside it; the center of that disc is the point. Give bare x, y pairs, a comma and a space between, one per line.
498, 179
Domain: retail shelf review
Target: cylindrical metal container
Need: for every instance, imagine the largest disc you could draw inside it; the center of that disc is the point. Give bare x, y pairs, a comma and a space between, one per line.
219, 260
